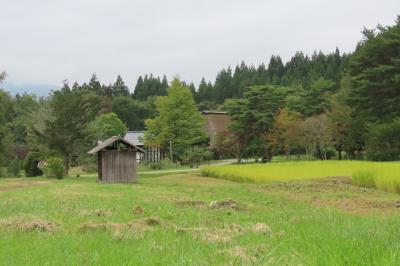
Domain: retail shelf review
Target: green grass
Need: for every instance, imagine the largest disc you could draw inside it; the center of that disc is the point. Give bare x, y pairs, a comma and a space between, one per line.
307, 224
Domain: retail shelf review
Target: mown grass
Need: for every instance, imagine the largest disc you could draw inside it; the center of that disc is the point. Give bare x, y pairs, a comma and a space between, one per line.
385, 176
91, 221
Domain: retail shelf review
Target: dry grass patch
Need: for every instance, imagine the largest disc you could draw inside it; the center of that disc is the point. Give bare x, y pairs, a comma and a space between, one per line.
336, 192
184, 203
226, 234
25, 225
218, 204
97, 212
193, 180
137, 210
261, 227
13, 185
144, 225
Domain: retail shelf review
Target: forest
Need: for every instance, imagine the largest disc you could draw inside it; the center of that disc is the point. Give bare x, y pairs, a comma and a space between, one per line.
323, 105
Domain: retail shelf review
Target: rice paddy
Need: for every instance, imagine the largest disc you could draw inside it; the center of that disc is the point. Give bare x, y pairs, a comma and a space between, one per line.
384, 176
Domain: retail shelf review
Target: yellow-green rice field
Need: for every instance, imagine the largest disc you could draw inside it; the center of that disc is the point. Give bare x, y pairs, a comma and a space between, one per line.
381, 175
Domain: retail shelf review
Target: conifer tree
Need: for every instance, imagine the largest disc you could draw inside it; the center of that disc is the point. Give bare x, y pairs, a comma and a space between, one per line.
119, 88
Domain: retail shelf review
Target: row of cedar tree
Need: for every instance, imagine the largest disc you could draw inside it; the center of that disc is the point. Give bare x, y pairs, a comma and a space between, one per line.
323, 105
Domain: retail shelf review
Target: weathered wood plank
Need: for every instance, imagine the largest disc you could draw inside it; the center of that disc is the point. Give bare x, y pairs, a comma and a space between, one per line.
118, 166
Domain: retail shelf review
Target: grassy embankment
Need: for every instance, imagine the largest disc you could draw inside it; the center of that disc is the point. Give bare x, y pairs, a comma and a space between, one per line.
384, 176
168, 220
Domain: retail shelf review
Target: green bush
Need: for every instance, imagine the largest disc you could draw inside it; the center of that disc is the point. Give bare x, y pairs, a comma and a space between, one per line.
163, 164
384, 142
194, 156
31, 165
14, 168
54, 167
90, 167
331, 153
155, 166
3, 172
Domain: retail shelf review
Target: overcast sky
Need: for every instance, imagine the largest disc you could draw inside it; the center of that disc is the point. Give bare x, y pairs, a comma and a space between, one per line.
47, 41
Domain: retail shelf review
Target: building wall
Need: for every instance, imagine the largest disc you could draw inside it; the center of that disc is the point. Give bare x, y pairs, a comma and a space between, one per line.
215, 123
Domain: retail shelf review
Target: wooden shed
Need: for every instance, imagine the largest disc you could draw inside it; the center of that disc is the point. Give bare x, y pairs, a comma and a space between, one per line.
116, 160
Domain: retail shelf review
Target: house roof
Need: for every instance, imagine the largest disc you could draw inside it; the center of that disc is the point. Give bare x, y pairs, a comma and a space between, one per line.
110, 141
135, 137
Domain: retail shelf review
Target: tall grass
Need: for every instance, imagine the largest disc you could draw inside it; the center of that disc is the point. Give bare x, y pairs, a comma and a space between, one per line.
384, 176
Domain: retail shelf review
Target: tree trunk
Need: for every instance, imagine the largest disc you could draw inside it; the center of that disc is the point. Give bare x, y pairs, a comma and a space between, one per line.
66, 167
67, 163
239, 156
320, 152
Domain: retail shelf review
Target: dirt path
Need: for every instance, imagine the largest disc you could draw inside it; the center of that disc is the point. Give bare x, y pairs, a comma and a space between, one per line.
169, 171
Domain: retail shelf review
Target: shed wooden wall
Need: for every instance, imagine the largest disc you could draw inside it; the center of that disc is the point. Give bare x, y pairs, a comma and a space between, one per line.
118, 166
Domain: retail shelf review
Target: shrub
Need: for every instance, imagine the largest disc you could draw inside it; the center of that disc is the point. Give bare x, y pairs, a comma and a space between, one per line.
196, 155
163, 164
14, 168
155, 166
89, 167
383, 142
54, 167
331, 153
3, 172
31, 165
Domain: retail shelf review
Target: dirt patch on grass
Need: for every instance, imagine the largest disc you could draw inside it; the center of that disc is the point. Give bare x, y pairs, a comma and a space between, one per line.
336, 192
29, 226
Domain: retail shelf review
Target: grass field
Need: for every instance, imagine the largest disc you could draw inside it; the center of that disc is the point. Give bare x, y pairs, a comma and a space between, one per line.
384, 176
186, 219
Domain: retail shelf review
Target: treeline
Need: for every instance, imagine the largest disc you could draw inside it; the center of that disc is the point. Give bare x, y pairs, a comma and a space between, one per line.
357, 114
67, 123
322, 105
300, 72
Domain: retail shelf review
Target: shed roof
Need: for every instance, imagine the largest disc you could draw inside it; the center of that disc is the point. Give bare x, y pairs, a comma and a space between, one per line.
135, 137
110, 141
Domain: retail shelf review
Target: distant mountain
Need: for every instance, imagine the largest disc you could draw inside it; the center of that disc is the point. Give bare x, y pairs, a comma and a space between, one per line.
41, 90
